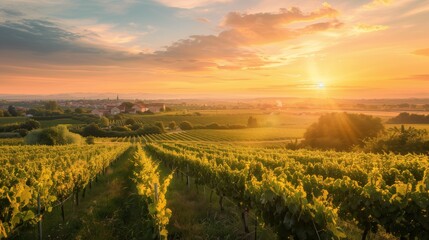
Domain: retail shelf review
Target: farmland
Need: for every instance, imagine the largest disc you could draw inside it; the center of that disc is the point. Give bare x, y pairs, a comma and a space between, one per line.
217, 183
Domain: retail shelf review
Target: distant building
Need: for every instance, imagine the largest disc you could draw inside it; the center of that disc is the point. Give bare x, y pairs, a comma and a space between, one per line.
98, 112
115, 110
136, 108
156, 107
139, 108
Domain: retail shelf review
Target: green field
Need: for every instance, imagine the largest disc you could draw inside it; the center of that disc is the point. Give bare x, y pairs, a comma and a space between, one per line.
12, 120
64, 121
230, 117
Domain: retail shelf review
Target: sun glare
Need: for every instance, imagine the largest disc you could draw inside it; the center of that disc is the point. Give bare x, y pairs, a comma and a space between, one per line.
320, 85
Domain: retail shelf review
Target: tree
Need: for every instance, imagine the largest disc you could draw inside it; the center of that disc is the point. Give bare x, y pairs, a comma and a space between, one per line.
341, 131
1, 113
185, 125
90, 140
252, 122
104, 122
130, 121
399, 140
51, 106
30, 125
160, 125
78, 110
127, 105
136, 126
172, 125
93, 130
58, 135
150, 129
12, 111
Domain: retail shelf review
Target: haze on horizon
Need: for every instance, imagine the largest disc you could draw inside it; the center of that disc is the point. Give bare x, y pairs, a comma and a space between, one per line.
311, 48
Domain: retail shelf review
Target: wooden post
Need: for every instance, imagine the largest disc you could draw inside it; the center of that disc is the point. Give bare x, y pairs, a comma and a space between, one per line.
39, 211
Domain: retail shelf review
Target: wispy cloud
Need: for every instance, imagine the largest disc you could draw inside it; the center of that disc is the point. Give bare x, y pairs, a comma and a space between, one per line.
188, 4
422, 52
202, 20
378, 3
366, 28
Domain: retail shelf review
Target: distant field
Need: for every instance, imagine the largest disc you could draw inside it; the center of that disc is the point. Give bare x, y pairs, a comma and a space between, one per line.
10, 120
251, 134
51, 123
240, 118
418, 126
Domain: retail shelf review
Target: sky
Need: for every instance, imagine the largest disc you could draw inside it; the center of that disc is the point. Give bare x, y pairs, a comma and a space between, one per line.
216, 48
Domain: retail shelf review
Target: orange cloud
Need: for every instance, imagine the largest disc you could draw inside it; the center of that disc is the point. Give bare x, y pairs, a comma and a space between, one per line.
265, 28
422, 52
231, 49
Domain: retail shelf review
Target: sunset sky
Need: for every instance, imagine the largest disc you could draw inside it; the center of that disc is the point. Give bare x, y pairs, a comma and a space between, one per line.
234, 48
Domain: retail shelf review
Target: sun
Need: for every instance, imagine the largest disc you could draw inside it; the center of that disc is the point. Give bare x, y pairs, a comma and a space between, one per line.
320, 85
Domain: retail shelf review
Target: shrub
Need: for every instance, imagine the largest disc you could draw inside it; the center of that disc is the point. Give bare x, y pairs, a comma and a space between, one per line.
252, 122
121, 129
104, 122
399, 140
130, 121
172, 125
136, 126
150, 129
341, 131
58, 135
22, 132
185, 125
90, 140
160, 125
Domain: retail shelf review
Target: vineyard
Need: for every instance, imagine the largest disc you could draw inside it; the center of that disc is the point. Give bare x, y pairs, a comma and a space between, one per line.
305, 193
245, 135
37, 178
302, 194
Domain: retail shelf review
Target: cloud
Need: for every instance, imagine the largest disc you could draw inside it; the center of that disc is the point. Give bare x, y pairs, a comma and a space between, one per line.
202, 20
231, 49
189, 4
422, 52
264, 28
378, 3
10, 13
366, 28
39, 36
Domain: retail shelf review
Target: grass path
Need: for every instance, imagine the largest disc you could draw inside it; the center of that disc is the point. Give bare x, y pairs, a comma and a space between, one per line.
194, 216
